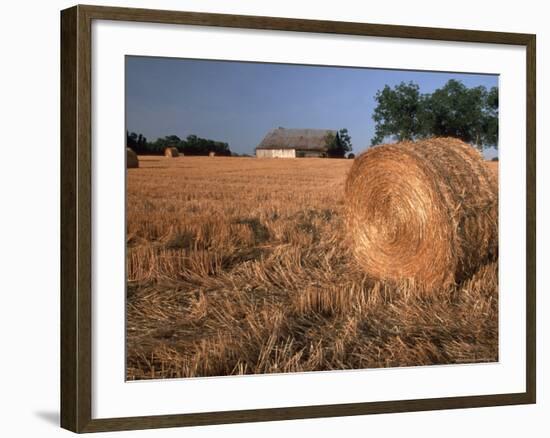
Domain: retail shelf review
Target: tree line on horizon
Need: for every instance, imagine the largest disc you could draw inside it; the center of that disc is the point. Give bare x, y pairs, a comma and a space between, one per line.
191, 145
402, 113
454, 110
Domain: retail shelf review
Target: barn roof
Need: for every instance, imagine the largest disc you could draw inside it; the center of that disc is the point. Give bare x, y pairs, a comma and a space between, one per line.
303, 139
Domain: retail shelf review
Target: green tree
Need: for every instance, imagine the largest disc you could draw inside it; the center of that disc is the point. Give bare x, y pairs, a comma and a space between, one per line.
338, 145
192, 145
491, 118
457, 111
136, 142
397, 113
158, 146
454, 110
345, 140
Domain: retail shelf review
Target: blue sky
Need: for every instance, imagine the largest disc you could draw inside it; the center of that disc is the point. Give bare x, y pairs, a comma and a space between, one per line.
238, 102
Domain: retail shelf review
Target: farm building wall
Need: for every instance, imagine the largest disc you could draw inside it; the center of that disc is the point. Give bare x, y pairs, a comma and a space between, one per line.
310, 154
275, 153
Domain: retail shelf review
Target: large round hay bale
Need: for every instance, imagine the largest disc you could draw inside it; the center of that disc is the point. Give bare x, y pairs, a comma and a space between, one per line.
131, 159
422, 212
493, 165
171, 152
211, 154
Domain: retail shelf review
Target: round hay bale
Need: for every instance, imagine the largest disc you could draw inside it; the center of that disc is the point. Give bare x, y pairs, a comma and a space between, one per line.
211, 154
493, 165
171, 152
132, 161
424, 213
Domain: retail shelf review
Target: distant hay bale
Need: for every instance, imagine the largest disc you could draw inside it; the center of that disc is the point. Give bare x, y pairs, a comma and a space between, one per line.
132, 161
171, 152
425, 213
211, 154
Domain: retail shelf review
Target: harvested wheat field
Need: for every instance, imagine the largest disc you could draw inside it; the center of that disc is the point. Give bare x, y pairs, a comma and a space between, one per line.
241, 266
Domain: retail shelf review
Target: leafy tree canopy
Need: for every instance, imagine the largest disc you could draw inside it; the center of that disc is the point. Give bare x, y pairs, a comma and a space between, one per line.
138, 143
471, 114
345, 140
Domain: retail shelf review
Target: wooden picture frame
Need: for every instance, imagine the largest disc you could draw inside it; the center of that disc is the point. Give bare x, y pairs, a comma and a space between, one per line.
76, 174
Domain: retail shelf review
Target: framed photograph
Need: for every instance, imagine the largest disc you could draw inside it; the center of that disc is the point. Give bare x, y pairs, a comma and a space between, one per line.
269, 218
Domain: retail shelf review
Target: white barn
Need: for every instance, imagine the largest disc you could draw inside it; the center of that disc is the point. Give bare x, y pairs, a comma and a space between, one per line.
275, 153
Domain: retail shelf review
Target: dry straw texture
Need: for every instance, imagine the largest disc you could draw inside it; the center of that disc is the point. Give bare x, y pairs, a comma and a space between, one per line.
422, 212
171, 152
240, 266
131, 159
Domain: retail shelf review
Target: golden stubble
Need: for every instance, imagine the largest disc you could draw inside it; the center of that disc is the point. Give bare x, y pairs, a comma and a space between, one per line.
241, 266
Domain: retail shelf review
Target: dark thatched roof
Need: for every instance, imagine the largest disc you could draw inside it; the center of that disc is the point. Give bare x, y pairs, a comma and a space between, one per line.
302, 139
